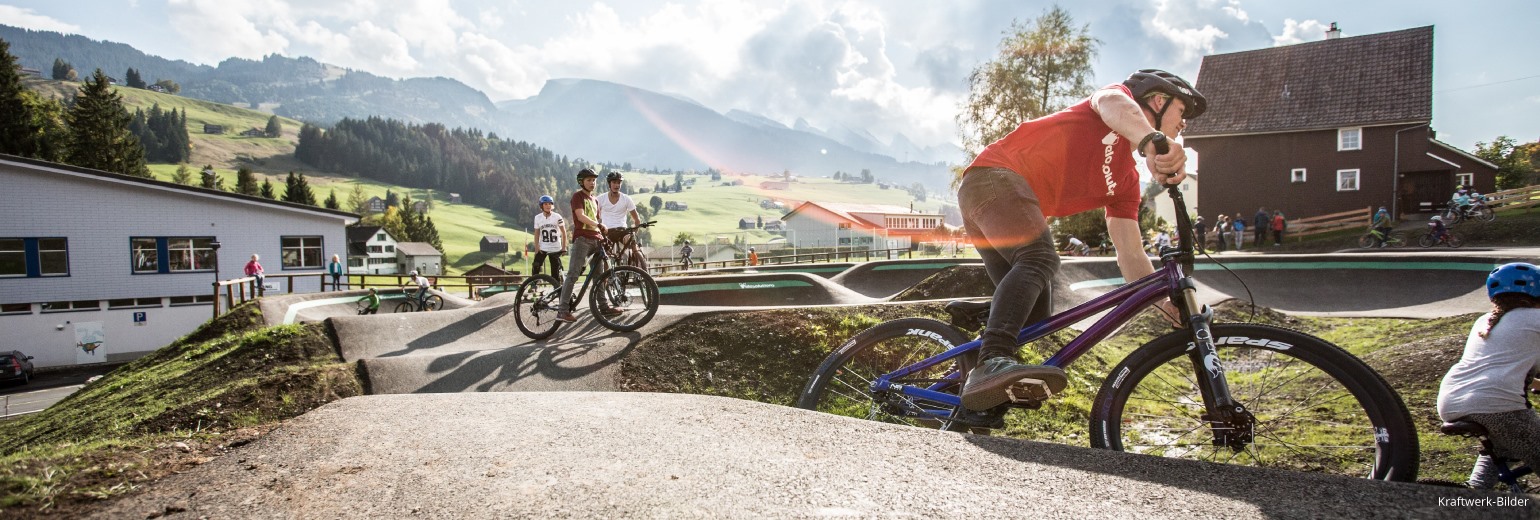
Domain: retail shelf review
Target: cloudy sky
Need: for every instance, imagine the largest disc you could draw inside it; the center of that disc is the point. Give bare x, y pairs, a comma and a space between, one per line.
885, 66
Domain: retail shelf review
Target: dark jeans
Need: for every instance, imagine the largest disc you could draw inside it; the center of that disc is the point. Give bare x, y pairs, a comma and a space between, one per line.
542, 257
582, 248
1002, 215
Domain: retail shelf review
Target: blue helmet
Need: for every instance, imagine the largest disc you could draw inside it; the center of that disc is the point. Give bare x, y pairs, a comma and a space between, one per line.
1516, 277
546, 199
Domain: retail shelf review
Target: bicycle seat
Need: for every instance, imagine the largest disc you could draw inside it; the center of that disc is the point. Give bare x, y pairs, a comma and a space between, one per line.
1463, 428
967, 314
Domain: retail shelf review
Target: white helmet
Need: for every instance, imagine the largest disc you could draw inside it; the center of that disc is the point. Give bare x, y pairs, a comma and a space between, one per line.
414, 272
1437, 218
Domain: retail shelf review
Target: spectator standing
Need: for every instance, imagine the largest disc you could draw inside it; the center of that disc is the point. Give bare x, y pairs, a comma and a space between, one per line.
753, 257
1240, 230
1260, 223
254, 269
1221, 229
1278, 225
334, 268
1200, 233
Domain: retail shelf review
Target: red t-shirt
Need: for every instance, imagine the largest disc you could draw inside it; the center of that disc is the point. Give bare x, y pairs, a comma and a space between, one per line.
1073, 160
584, 204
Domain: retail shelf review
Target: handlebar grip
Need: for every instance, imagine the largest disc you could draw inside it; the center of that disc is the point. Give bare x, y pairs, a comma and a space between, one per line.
1162, 145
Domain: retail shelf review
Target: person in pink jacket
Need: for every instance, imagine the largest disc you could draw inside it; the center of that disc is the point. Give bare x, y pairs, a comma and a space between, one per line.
254, 269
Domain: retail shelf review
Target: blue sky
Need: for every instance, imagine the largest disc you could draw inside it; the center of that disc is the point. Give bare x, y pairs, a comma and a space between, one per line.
888, 67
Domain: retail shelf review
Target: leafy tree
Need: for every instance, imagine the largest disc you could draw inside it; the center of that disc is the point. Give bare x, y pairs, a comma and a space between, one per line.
183, 175
331, 201
391, 222
297, 189
99, 134
678, 182
656, 203
19, 131
391, 200
357, 202
63, 71
1043, 66
132, 79
53, 133
268, 191
683, 237
1512, 160
867, 177
274, 128
246, 182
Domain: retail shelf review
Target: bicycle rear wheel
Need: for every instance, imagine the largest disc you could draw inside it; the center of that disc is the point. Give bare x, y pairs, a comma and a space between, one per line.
1366, 241
1317, 408
534, 308
1426, 241
1454, 241
624, 299
433, 302
842, 385
1484, 214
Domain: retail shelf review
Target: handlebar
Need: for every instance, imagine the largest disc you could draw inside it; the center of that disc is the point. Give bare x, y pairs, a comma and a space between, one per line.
1183, 221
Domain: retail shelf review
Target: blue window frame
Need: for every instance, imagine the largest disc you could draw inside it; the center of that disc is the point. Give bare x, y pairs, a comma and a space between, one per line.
34, 257
163, 255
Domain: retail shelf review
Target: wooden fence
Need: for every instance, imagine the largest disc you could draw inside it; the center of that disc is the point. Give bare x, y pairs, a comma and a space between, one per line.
1525, 197
1303, 227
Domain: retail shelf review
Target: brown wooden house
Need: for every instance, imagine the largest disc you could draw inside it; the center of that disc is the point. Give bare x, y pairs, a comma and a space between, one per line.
488, 274
1325, 127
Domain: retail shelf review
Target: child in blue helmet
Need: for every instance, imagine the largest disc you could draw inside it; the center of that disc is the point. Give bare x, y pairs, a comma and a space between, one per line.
1488, 385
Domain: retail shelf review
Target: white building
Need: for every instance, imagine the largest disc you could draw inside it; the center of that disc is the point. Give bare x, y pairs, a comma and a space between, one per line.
371, 250
96, 266
857, 226
420, 257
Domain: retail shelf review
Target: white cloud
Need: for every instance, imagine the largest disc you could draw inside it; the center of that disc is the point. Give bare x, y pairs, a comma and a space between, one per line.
27, 18
218, 29
1299, 32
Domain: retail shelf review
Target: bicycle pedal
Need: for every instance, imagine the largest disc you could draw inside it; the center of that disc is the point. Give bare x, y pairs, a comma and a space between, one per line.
1028, 390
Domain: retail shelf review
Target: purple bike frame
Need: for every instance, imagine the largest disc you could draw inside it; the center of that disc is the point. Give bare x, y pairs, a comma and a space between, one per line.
1125, 302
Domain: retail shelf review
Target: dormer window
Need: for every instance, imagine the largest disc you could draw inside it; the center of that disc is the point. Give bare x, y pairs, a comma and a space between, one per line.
1350, 139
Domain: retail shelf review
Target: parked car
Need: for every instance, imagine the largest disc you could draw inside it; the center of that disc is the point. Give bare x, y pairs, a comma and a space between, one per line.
15, 366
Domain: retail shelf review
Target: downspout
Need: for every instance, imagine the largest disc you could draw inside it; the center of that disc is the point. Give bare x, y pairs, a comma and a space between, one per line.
1395, 174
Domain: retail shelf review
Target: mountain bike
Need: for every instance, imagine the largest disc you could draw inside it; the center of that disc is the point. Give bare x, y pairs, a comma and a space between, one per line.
432, 302
1392, 239
630, 251
1232, 393
1477, 211
624, 299
1449, 239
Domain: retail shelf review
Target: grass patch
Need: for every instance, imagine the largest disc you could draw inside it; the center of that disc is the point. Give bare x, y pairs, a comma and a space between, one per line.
218, 387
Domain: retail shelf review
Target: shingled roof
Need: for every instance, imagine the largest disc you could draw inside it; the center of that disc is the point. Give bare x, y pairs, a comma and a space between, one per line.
1358, 81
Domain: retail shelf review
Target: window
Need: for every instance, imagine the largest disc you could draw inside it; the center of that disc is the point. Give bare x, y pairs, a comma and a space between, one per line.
1297, 175
301, 252
1347, 180
202, 299
15, 308
34, 257
380, 237
1465, 179
78, 305
390, 248
146, 252
355, 262
376, 249
844, 225
1350, 139
129, 303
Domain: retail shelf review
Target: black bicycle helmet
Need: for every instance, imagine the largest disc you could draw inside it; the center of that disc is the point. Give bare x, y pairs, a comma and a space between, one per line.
584, 173
613, 176
1155, 80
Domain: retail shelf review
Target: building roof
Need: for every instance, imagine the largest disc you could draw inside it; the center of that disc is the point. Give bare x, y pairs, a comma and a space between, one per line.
852, 212
494, 239
1367, 80
171, 186
487, 269
362, 233
417, 249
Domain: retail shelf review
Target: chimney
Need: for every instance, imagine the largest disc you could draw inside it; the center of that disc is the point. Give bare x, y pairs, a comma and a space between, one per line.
1333, 33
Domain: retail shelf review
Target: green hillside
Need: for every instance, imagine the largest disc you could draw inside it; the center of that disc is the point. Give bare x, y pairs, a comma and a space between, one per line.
713, 211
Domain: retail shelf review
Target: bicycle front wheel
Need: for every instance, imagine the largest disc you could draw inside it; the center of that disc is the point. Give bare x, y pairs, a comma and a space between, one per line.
534, 308
1454, 241
624, 299
1366, 241
1484, 214
1316, 407
1426, 241
1395, 239
433, 302
842, 385
405, 306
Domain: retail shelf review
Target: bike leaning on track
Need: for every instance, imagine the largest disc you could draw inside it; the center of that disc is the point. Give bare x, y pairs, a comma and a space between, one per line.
1233, 393
624, 298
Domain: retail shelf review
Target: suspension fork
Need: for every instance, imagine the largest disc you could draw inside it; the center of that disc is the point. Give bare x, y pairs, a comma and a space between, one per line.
1229, 421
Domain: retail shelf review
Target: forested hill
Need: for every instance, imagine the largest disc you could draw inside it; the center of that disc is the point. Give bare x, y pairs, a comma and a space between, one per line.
500, 174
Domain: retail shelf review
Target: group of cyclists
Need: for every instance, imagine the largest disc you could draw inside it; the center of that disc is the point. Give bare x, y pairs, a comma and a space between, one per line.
1462, 205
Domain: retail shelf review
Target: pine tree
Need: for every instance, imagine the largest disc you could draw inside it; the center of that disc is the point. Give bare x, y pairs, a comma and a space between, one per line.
268, 192
246, 182
48, 117
429, 233
411, 223
391, 199
274, 128
99, 135
297, 190
210, 179
331, 200
357, 201
132, 79
61, 69
18, 125
183, 175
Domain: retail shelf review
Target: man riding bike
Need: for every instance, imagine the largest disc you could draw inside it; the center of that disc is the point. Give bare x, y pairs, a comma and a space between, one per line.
684, 254
585, 224
422, 288
1075, 160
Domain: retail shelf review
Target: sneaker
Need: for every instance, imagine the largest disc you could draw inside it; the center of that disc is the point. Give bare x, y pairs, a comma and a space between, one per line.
999, 380
611, 311
565, 317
